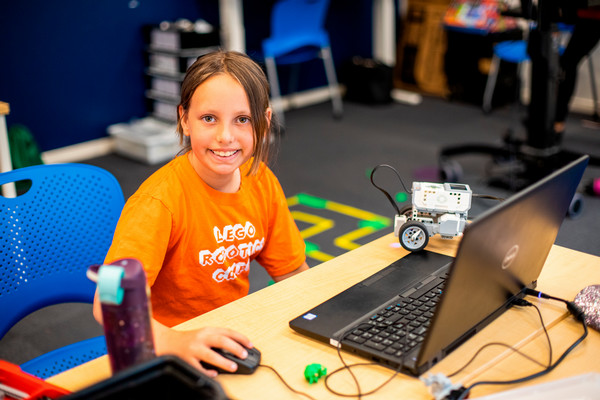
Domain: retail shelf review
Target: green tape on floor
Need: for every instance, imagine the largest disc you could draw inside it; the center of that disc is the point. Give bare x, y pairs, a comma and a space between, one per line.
310, 247
375, 224
311, 201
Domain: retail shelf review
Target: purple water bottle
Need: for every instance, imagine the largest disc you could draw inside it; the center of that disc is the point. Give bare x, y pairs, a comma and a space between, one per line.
126, 314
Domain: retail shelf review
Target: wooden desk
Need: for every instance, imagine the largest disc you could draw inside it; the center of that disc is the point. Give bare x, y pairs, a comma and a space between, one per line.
264, 317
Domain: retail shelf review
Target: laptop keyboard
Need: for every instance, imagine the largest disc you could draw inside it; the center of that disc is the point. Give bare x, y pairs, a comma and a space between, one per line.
398, 328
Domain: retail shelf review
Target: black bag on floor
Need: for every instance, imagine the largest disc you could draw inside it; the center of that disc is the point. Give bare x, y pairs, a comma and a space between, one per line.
368, 81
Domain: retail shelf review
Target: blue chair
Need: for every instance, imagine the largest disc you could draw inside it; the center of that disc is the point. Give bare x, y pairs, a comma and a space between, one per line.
298, 35
515, 52
50, 234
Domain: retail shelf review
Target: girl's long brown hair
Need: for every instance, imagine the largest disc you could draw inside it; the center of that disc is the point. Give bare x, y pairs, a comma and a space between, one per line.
252, 78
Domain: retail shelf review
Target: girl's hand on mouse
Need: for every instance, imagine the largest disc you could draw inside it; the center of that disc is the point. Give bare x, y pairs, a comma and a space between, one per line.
195, 346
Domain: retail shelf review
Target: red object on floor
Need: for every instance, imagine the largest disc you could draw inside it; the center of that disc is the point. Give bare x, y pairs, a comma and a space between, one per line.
12, 378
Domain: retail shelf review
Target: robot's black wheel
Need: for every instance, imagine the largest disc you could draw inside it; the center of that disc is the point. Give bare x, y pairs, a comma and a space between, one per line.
413, 236
406, 211
576, 206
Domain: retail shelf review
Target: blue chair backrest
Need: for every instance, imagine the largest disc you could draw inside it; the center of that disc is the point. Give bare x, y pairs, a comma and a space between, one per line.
297, 30
297, 17
51, 234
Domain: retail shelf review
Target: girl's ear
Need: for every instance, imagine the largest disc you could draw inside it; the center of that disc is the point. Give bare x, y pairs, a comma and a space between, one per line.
269, 114
183, 120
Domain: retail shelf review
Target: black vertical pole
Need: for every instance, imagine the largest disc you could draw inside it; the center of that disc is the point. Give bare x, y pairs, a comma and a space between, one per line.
543, 50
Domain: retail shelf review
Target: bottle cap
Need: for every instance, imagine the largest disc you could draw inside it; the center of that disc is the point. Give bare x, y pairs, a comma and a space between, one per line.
109, 284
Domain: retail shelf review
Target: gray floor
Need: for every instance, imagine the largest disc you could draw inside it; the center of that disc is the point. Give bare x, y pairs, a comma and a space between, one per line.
331, 159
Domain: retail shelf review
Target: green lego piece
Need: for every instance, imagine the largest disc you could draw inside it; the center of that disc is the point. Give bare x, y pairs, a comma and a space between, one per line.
313, 372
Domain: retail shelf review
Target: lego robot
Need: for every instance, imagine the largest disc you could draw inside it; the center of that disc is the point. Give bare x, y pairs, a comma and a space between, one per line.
437, 208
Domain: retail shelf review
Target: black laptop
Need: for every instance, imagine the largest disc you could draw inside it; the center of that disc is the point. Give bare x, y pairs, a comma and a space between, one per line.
412, 313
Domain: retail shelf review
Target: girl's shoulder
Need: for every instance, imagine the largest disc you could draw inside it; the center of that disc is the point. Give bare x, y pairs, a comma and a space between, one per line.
167, 179
263, 175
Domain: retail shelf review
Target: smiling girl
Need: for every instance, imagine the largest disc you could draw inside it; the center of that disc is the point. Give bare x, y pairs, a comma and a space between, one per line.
198, 222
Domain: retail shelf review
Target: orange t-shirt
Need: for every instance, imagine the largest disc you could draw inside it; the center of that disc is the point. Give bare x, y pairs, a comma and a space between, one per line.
196, 243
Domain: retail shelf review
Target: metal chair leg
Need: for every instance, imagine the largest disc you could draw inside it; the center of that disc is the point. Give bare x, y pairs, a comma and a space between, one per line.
276, 100
593, 84
334, 91
491, 84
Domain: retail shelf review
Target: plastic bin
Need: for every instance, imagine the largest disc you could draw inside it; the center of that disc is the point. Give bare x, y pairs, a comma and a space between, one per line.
147, 140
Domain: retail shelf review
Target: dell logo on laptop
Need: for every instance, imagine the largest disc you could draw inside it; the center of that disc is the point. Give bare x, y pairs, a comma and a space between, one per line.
510, 256
309, 316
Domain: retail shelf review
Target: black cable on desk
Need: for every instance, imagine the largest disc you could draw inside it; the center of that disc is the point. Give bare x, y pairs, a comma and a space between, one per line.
525, 303
573, 309
287, 384
359, 394
348, 368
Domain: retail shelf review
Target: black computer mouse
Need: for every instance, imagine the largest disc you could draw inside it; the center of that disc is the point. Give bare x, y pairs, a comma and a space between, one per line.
246, 366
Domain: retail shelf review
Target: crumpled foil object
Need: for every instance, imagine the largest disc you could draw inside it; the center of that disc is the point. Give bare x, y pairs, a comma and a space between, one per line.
588, 299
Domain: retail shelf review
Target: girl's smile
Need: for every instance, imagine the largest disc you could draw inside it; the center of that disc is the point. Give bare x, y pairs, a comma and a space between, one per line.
218, 123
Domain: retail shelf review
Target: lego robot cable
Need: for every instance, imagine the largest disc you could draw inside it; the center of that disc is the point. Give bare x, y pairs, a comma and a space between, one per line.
389, 197
487, 196
391, 200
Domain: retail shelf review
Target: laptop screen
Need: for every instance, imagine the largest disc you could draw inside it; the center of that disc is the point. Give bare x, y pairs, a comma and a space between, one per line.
501, 252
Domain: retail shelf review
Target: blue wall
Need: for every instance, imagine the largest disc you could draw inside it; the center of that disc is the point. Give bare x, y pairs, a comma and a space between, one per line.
71, 68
